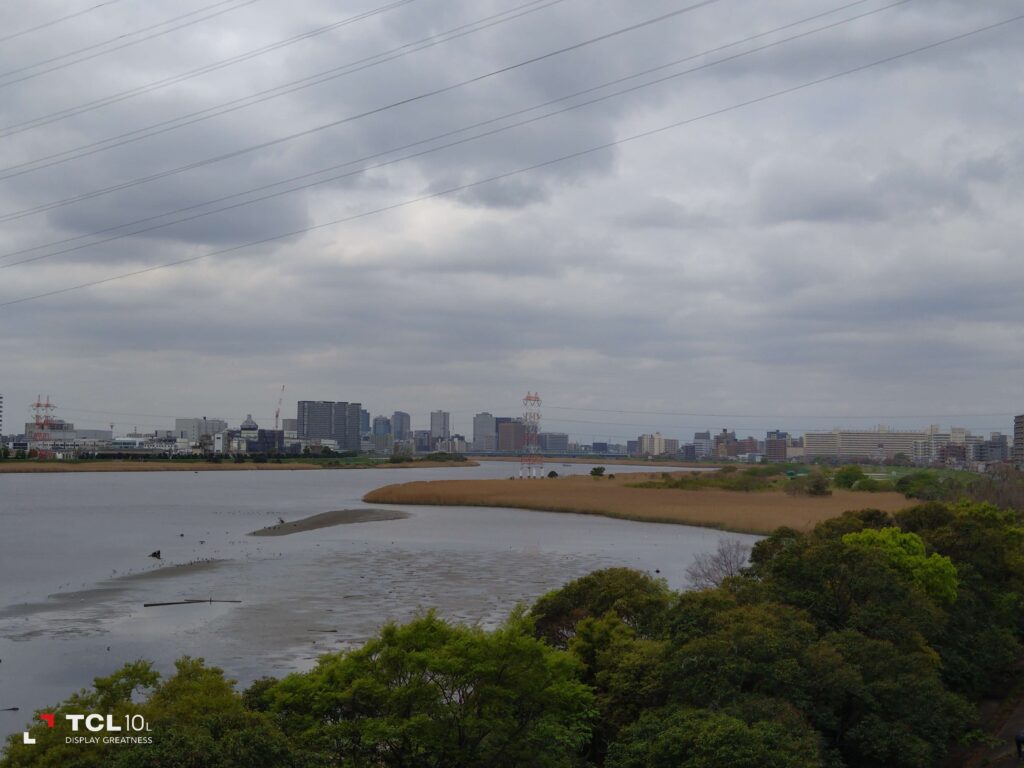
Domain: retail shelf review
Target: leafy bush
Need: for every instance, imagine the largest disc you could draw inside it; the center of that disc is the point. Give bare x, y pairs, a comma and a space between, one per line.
815, 484
849, 476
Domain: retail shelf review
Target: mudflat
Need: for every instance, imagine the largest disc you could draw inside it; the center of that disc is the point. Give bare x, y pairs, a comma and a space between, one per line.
758, 512
330, 519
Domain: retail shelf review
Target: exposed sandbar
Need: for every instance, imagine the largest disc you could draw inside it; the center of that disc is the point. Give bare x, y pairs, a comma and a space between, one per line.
760, 512
330, 519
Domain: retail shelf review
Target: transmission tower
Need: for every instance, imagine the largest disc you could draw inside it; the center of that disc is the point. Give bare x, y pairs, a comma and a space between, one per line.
43, 422
43, 417
531, 461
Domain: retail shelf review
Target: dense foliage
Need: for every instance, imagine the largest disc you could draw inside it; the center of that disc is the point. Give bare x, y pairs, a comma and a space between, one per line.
865, 642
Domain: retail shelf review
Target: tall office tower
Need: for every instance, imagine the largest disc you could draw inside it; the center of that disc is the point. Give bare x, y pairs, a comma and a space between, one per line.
511, 435
401, 425
440, 428
364, 421
315, 419
1018, 441
381, 437
1, 414
329, 420
347, 417
485, 432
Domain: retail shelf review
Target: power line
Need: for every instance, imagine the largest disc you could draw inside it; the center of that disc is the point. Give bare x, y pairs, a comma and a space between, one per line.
509, 174
128, 44
54, 22
342, 121
776, 416
438, 137
89, 106
259, 97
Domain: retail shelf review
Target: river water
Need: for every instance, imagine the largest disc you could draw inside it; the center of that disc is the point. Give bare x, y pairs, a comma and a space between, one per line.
75, 569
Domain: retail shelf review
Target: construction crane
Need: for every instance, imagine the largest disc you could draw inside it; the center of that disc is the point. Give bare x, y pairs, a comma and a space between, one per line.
277, 413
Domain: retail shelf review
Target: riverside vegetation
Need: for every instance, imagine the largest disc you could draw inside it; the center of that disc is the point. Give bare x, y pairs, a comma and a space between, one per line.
867, 641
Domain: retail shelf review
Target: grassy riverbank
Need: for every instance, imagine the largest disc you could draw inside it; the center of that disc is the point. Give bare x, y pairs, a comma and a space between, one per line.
620, 497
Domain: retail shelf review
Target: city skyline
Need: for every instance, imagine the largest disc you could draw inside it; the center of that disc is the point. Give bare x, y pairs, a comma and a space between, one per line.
464, 425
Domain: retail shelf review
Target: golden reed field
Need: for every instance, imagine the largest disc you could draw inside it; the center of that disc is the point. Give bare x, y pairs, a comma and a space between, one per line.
754, 512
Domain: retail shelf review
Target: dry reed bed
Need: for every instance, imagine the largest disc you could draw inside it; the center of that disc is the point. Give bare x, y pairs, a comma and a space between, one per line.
760, 512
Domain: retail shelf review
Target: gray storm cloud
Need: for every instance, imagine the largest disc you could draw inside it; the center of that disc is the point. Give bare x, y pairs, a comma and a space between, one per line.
850, 249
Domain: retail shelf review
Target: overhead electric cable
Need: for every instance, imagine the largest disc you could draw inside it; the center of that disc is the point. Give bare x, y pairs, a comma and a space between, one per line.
88, 106
237, 4
686, 414
519, 171
259, 97
54, 22
436, 137
345, 120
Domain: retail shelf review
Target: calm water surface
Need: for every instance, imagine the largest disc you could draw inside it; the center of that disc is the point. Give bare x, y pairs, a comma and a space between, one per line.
75, 569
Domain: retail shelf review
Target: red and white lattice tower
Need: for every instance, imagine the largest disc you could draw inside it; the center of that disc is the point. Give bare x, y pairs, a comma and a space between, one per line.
43, 423
531, 461
43, 417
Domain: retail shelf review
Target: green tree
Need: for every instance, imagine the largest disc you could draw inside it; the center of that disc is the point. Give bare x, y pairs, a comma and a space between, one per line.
638, 599
597, 471
934, 573
431, 694
681, 737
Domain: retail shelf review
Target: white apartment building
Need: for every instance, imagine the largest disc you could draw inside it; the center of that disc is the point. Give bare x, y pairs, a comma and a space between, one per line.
651, 445
874, 444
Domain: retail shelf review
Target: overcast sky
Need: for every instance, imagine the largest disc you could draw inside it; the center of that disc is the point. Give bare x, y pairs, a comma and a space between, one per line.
845, 254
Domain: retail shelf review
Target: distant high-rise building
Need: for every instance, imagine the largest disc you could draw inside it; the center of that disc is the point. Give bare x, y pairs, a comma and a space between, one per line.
553, 442
1018, 441
1, 414
315, 419
993, 450
485, 432
440, 425
421, 440
195, 429
599, 447
401, 425
381, 437
329, 420
511, 436
702, 445
364, 421
776, 448
651, 445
